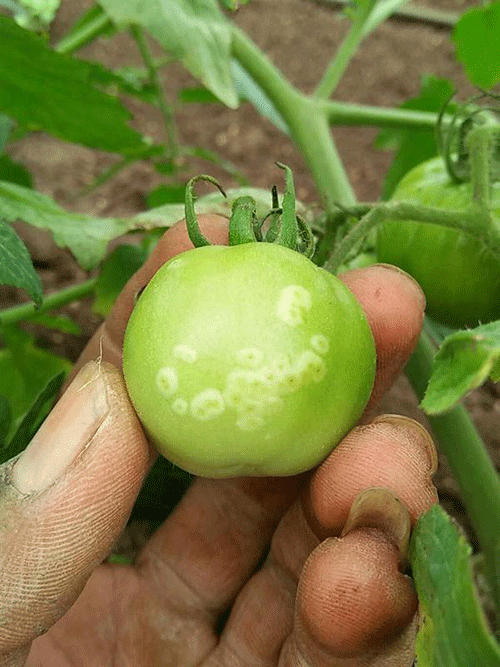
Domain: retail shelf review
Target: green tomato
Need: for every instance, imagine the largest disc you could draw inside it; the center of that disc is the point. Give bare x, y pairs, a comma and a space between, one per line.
460, 278
247, 360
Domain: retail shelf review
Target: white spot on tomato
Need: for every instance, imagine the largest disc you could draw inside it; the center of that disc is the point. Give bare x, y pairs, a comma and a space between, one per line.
249, 356
206, 405
184, 353
293, 304
167, 381
320, 343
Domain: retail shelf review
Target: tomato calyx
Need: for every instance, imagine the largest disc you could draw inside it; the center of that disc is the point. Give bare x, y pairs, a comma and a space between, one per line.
284, 225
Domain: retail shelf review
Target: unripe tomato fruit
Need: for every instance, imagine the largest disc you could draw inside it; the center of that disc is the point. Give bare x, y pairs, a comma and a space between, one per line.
460, 278
247, 360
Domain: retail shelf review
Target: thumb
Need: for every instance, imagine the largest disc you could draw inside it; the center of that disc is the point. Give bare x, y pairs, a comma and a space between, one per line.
63, 504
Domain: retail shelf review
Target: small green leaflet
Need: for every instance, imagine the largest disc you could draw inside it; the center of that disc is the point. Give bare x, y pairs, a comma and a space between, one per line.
116, 270
25, 370
16, 267
453, 629
195, 32
476, 37
464, 361
33, 418
87, 237
45, 90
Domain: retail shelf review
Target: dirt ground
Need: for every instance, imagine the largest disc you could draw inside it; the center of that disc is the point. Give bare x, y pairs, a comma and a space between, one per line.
299, 36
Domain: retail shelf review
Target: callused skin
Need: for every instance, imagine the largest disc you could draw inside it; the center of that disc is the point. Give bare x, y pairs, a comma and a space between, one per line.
247, 360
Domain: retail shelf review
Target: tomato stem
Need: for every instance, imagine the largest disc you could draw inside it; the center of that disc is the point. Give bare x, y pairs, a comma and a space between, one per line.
476, 222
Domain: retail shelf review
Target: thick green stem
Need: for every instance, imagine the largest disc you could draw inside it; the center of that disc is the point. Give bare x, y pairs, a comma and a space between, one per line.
305, 119
469, 462
26, 310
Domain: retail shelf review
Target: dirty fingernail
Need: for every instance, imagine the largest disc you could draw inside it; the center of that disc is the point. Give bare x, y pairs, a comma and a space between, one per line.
66, 432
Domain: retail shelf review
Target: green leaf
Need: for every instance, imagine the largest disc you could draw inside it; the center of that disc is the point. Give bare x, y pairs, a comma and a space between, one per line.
45, 90
476, 39
14, 173
233, 5
39, 13
116, 270
33, 418
5, 420
193, 31
59, 322
166, 194
25, 370
414, 146
196, 95
16, 267
464, 361
6, 125
453, 630
87, 237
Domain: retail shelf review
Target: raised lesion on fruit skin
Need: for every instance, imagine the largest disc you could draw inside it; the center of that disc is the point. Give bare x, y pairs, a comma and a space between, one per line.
184, 353
294, 302
254, 390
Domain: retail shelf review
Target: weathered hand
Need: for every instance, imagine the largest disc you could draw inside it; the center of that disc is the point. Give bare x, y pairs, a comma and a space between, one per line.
251, 571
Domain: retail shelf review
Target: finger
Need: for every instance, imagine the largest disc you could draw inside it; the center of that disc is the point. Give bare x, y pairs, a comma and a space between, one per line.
64, 502
263, 614
394, 305
354, 606
107, 342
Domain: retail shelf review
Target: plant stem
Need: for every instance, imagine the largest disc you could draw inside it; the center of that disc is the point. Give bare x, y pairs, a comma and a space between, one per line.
476, 223
469, 462
26, 310
167, 111
344, 55
305, 119
343, 113
410, 12
86, 34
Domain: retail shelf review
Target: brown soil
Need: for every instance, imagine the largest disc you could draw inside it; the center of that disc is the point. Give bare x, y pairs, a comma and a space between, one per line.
299, 37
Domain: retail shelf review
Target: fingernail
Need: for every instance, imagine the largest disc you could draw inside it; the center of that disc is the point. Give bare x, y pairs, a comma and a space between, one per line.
381, 509
418, 290
66, 432
424, 437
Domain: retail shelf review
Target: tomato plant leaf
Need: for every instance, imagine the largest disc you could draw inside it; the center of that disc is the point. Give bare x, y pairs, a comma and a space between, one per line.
45, 90
13, 172
117, 268
5, 420
6, 125
16, 267
476, 40
414, 146
453, 629
464, 361
193, 31
58, 322
37, 15
87, 237
166, 194
32, 419
25, 369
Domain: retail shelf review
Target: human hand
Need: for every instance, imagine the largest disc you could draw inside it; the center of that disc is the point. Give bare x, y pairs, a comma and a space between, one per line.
300, 570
